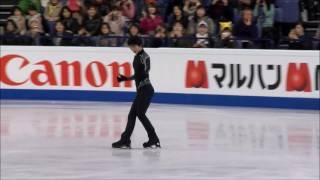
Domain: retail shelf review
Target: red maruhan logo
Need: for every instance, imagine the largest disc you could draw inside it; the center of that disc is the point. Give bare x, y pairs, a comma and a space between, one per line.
62, 73
298, 77
196, 75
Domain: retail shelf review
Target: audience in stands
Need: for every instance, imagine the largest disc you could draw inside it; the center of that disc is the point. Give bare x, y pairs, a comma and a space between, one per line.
134, 30
91, 22
35, 32
225, 39
10, 33
177, 16
19, 19
35, 18
74, 5
178, 36
52, 14
24, 5
264, 11
105, 36
116, 21
190, 7
128, 8
221, 10
203, 39
151, 21
297, 38
61, 37
245, 28
176, 23
159, 37
70, 23
200, 15
287, 15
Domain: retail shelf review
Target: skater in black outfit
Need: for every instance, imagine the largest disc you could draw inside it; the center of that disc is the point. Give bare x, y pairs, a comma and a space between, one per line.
145, 91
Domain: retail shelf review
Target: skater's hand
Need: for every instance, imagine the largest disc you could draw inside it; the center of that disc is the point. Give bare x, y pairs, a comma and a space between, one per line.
121, 78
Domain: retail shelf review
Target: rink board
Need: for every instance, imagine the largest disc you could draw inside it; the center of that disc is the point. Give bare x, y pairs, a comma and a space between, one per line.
257, 78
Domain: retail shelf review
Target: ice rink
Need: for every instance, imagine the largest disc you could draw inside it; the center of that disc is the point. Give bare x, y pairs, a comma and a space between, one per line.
43, 140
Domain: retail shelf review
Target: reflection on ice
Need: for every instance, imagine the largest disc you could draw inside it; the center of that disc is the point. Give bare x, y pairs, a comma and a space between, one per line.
41, 140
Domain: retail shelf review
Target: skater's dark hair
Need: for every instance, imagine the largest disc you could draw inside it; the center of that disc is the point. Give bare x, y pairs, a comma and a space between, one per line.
134, 40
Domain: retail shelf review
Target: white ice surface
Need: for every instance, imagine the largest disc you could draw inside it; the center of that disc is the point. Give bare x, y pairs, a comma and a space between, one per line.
72, 141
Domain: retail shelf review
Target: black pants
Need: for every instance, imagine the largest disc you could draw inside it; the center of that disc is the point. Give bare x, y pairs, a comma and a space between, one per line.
138, 109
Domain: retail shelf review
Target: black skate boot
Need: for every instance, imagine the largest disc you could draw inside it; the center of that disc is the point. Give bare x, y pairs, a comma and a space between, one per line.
122, 144
152, 143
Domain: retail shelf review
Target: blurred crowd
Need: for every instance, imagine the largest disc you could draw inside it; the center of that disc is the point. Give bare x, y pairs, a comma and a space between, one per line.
161, 23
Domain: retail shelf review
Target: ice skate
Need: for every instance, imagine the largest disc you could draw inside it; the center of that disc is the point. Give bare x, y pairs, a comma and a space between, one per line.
122, 144
152, 143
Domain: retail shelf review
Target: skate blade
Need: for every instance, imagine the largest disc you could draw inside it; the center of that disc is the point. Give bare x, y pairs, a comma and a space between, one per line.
153, 147
122, 147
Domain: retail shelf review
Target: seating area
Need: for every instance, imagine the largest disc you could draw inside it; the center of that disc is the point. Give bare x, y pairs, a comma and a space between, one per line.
249, 24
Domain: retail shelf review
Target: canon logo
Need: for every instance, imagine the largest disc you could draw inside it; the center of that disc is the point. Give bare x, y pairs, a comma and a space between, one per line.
62, 73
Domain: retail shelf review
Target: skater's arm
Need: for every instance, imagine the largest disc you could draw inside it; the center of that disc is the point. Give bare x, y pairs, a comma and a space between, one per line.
124, 78
131, 77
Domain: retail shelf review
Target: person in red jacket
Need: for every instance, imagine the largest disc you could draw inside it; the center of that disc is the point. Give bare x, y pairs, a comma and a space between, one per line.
149, 23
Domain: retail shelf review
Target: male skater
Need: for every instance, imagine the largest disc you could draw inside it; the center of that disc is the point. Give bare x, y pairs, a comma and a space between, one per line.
145, 91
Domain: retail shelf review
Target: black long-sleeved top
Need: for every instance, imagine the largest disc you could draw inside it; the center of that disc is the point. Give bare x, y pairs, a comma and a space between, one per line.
141, 66
241, 30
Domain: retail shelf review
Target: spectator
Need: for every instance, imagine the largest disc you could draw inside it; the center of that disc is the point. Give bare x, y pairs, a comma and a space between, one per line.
297, 32
317, 34
177, 36
316, 43
51, 14
287, 15
190, 7
244, 4
159, 37
78, 16
225, 39
105, 37
84, 38
44, 4
149, 24
35, 32
74, 5
11, 33
70, 23
225, 24
103, 6
92, 21
163, 6
34, 16
297, 38
170, 7
148, 2
221, 10
201, 16
19, 19
24, 5
264, 11
246, 27
203, 37
61, 36
177, 16
128, 8
116, 21
240, 5
133, 30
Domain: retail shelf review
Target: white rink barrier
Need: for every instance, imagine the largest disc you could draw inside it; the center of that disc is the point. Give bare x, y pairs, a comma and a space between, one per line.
256, 78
